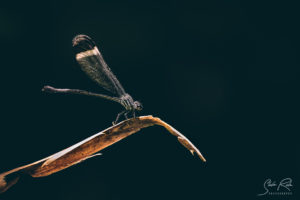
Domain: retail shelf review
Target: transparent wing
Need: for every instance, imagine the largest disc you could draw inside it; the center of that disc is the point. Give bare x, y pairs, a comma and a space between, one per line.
92, 63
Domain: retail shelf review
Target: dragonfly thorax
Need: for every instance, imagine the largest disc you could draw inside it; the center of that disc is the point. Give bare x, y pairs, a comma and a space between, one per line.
129, 103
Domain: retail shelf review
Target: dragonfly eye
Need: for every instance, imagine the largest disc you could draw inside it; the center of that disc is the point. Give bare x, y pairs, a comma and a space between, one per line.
138, 105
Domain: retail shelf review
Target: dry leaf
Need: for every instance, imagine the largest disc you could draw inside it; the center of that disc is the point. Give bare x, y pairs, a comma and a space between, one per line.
88, 148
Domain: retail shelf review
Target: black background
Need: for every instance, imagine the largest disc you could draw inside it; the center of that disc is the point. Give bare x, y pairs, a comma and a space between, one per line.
223, 73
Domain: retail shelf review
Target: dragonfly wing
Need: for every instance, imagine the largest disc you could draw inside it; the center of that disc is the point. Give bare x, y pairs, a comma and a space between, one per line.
92, 63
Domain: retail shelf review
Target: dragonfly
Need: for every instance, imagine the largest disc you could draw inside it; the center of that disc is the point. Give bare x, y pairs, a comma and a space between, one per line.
93, 65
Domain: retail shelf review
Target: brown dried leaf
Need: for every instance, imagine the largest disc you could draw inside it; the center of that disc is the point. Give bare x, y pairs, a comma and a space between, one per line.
88, 148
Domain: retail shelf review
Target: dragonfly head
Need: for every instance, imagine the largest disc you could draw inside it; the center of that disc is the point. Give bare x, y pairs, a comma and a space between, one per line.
138, 106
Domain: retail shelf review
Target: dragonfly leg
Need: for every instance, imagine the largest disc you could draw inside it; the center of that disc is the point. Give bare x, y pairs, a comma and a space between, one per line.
129, 112
126, 115
118, 117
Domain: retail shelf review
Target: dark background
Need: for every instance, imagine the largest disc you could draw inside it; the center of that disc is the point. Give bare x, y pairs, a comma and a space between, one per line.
223, 73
